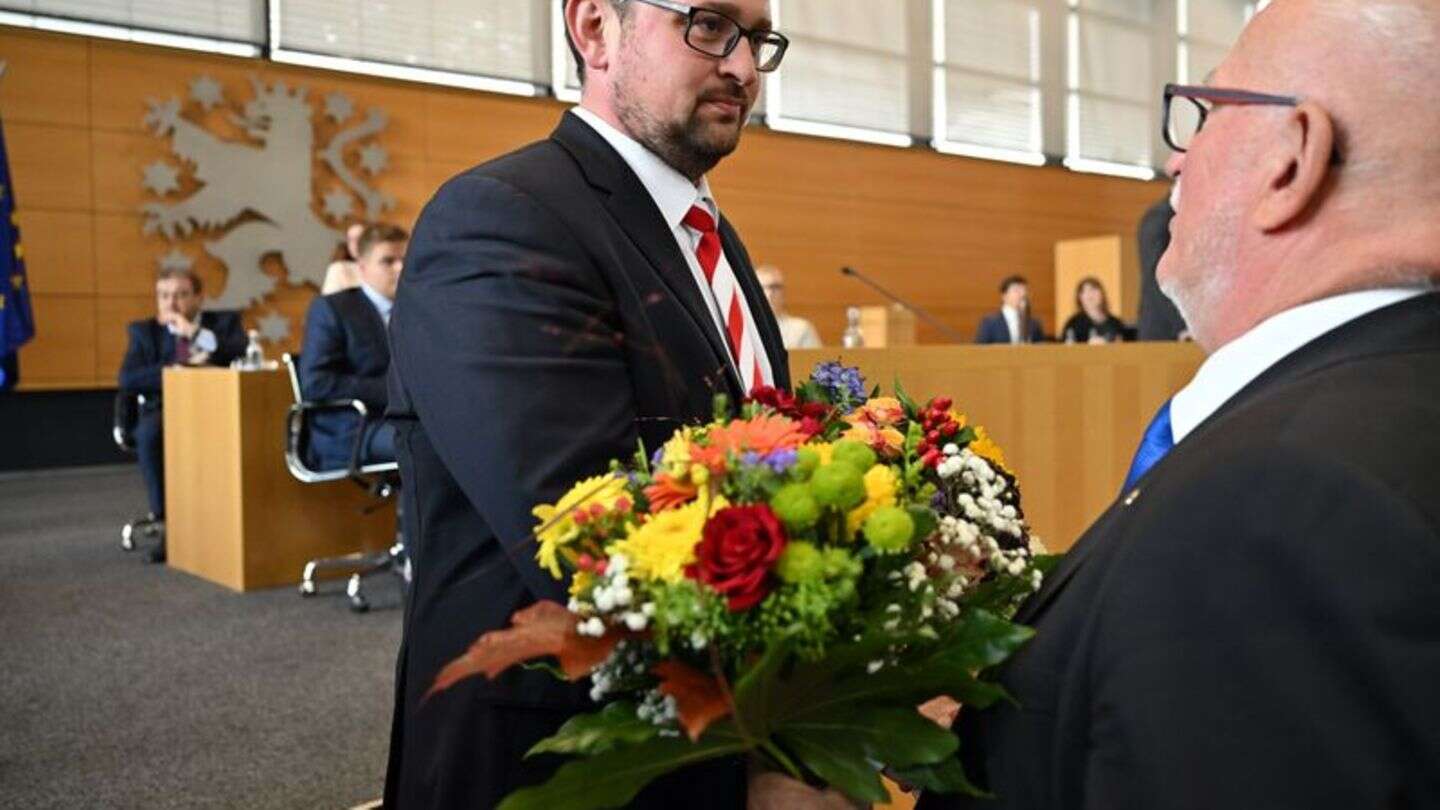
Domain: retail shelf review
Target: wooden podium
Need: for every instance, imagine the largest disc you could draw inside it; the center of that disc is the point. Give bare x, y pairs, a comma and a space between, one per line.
1068, 417
233, 513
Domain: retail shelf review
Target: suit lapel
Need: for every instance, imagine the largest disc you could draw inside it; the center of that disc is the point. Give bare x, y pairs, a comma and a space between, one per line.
634, 211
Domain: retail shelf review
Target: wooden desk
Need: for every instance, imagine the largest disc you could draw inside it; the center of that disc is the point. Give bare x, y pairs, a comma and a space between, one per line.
234, 515
1068, 417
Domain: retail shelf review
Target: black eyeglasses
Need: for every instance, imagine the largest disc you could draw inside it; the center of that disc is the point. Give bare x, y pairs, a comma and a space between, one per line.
715, 34
1182, 122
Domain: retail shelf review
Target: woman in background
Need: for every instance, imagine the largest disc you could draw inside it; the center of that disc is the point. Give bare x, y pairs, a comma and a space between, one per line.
1092, 322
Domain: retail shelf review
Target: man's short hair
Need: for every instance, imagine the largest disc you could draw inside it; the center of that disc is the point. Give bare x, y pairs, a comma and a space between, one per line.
620, 8
196, 286
1011, 281
379, 232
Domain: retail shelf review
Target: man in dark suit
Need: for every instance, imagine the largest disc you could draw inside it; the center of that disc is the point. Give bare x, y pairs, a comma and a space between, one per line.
1159, 319
179, 335
563, 303
1012, 324
1254, 622
346, 355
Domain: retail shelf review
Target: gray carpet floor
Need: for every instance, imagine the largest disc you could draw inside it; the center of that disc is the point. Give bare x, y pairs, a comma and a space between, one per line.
130, 685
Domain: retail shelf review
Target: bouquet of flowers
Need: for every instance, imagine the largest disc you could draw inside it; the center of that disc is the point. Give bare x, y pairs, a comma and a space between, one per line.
787, 584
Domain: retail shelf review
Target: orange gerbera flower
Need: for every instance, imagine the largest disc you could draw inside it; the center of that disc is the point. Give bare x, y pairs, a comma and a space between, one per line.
668, 493
763, 434
872, 424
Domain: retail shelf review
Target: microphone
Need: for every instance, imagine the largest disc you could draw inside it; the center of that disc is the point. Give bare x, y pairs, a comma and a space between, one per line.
914, 308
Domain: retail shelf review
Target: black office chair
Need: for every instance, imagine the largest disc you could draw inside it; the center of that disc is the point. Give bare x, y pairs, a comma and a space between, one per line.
381, 480
127, 413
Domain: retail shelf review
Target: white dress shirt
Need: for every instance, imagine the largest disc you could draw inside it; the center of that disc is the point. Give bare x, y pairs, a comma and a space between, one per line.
674, 195
1239, 362
796, 332
1012, 320
382, 304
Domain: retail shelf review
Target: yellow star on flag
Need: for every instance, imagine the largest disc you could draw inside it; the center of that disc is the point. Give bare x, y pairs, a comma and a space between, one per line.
17, 281
19, 252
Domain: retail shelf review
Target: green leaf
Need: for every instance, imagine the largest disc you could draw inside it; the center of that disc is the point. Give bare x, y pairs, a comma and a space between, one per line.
590, 734
894, 735
612, 779
925, 521
839, 761
982, 640
946, 776
757, 691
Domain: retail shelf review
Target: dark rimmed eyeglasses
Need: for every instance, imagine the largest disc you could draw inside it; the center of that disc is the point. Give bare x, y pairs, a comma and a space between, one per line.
715, 34
1182, 122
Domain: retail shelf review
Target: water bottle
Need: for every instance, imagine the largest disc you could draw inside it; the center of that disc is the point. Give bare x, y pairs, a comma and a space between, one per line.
852, 339
254, 354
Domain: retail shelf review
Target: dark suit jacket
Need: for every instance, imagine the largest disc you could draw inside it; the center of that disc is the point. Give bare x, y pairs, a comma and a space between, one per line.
1258, 627
1159, 319
345, 356
546, 321
993, 329
152, 348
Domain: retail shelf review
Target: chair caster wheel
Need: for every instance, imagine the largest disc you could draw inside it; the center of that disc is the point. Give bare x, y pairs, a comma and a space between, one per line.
307, 588
359, 605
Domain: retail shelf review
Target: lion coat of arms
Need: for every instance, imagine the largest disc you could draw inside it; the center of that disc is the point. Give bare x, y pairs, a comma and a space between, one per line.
256, 193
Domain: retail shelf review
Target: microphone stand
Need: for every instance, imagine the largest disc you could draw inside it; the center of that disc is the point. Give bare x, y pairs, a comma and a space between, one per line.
914, 308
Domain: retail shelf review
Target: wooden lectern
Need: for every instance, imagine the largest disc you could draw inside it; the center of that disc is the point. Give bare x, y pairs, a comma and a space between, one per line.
1112, 260
887, 326
233, 513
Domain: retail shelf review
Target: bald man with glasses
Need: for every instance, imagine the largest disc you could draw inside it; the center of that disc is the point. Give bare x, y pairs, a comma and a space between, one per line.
1253, 623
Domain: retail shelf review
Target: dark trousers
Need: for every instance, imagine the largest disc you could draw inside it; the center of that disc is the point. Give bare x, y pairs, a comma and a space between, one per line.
150, 447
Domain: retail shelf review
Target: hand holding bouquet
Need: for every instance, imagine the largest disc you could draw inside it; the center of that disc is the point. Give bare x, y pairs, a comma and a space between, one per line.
789, 584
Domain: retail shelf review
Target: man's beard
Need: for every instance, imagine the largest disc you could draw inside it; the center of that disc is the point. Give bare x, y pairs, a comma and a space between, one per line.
1208, 277
691, 147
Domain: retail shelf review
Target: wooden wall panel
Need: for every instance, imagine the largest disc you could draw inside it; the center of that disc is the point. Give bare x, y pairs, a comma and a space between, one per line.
937, 229
49, 166
47, 79
58, 258
62, 355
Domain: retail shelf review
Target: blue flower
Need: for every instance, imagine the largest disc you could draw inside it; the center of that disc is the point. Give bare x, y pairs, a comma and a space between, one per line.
750, 458
781, 461
843, 384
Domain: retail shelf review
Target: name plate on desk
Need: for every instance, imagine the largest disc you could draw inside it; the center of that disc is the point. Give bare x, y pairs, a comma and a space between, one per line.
233, 513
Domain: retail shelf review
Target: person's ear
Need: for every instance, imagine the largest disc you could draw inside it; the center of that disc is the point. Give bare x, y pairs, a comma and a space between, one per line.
585, 20
1295, 176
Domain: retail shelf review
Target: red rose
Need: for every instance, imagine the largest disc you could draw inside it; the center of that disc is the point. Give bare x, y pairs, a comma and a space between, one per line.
738, 548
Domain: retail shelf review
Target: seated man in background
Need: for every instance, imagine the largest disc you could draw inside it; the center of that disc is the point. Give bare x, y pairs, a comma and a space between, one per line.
795, 332
179, 335
1006, 326
347, 354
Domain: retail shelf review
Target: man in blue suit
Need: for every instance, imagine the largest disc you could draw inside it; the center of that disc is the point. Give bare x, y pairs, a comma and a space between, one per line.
346, 355
179, 335
1012, 324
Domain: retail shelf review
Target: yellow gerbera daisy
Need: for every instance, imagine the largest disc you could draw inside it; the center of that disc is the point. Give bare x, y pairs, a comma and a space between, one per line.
881, 484
661, 548
556, 527
987, 449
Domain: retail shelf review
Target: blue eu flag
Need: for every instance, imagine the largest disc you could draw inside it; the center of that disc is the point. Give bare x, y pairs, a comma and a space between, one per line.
17, 321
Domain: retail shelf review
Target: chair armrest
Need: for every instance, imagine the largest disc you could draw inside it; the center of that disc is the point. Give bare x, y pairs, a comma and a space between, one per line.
295, 422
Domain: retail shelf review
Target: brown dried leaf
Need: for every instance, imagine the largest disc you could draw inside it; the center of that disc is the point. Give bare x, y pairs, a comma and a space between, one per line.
545, 629
699, 698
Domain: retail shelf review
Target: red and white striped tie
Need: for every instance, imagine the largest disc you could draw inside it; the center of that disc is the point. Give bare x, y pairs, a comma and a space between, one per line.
740, 332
